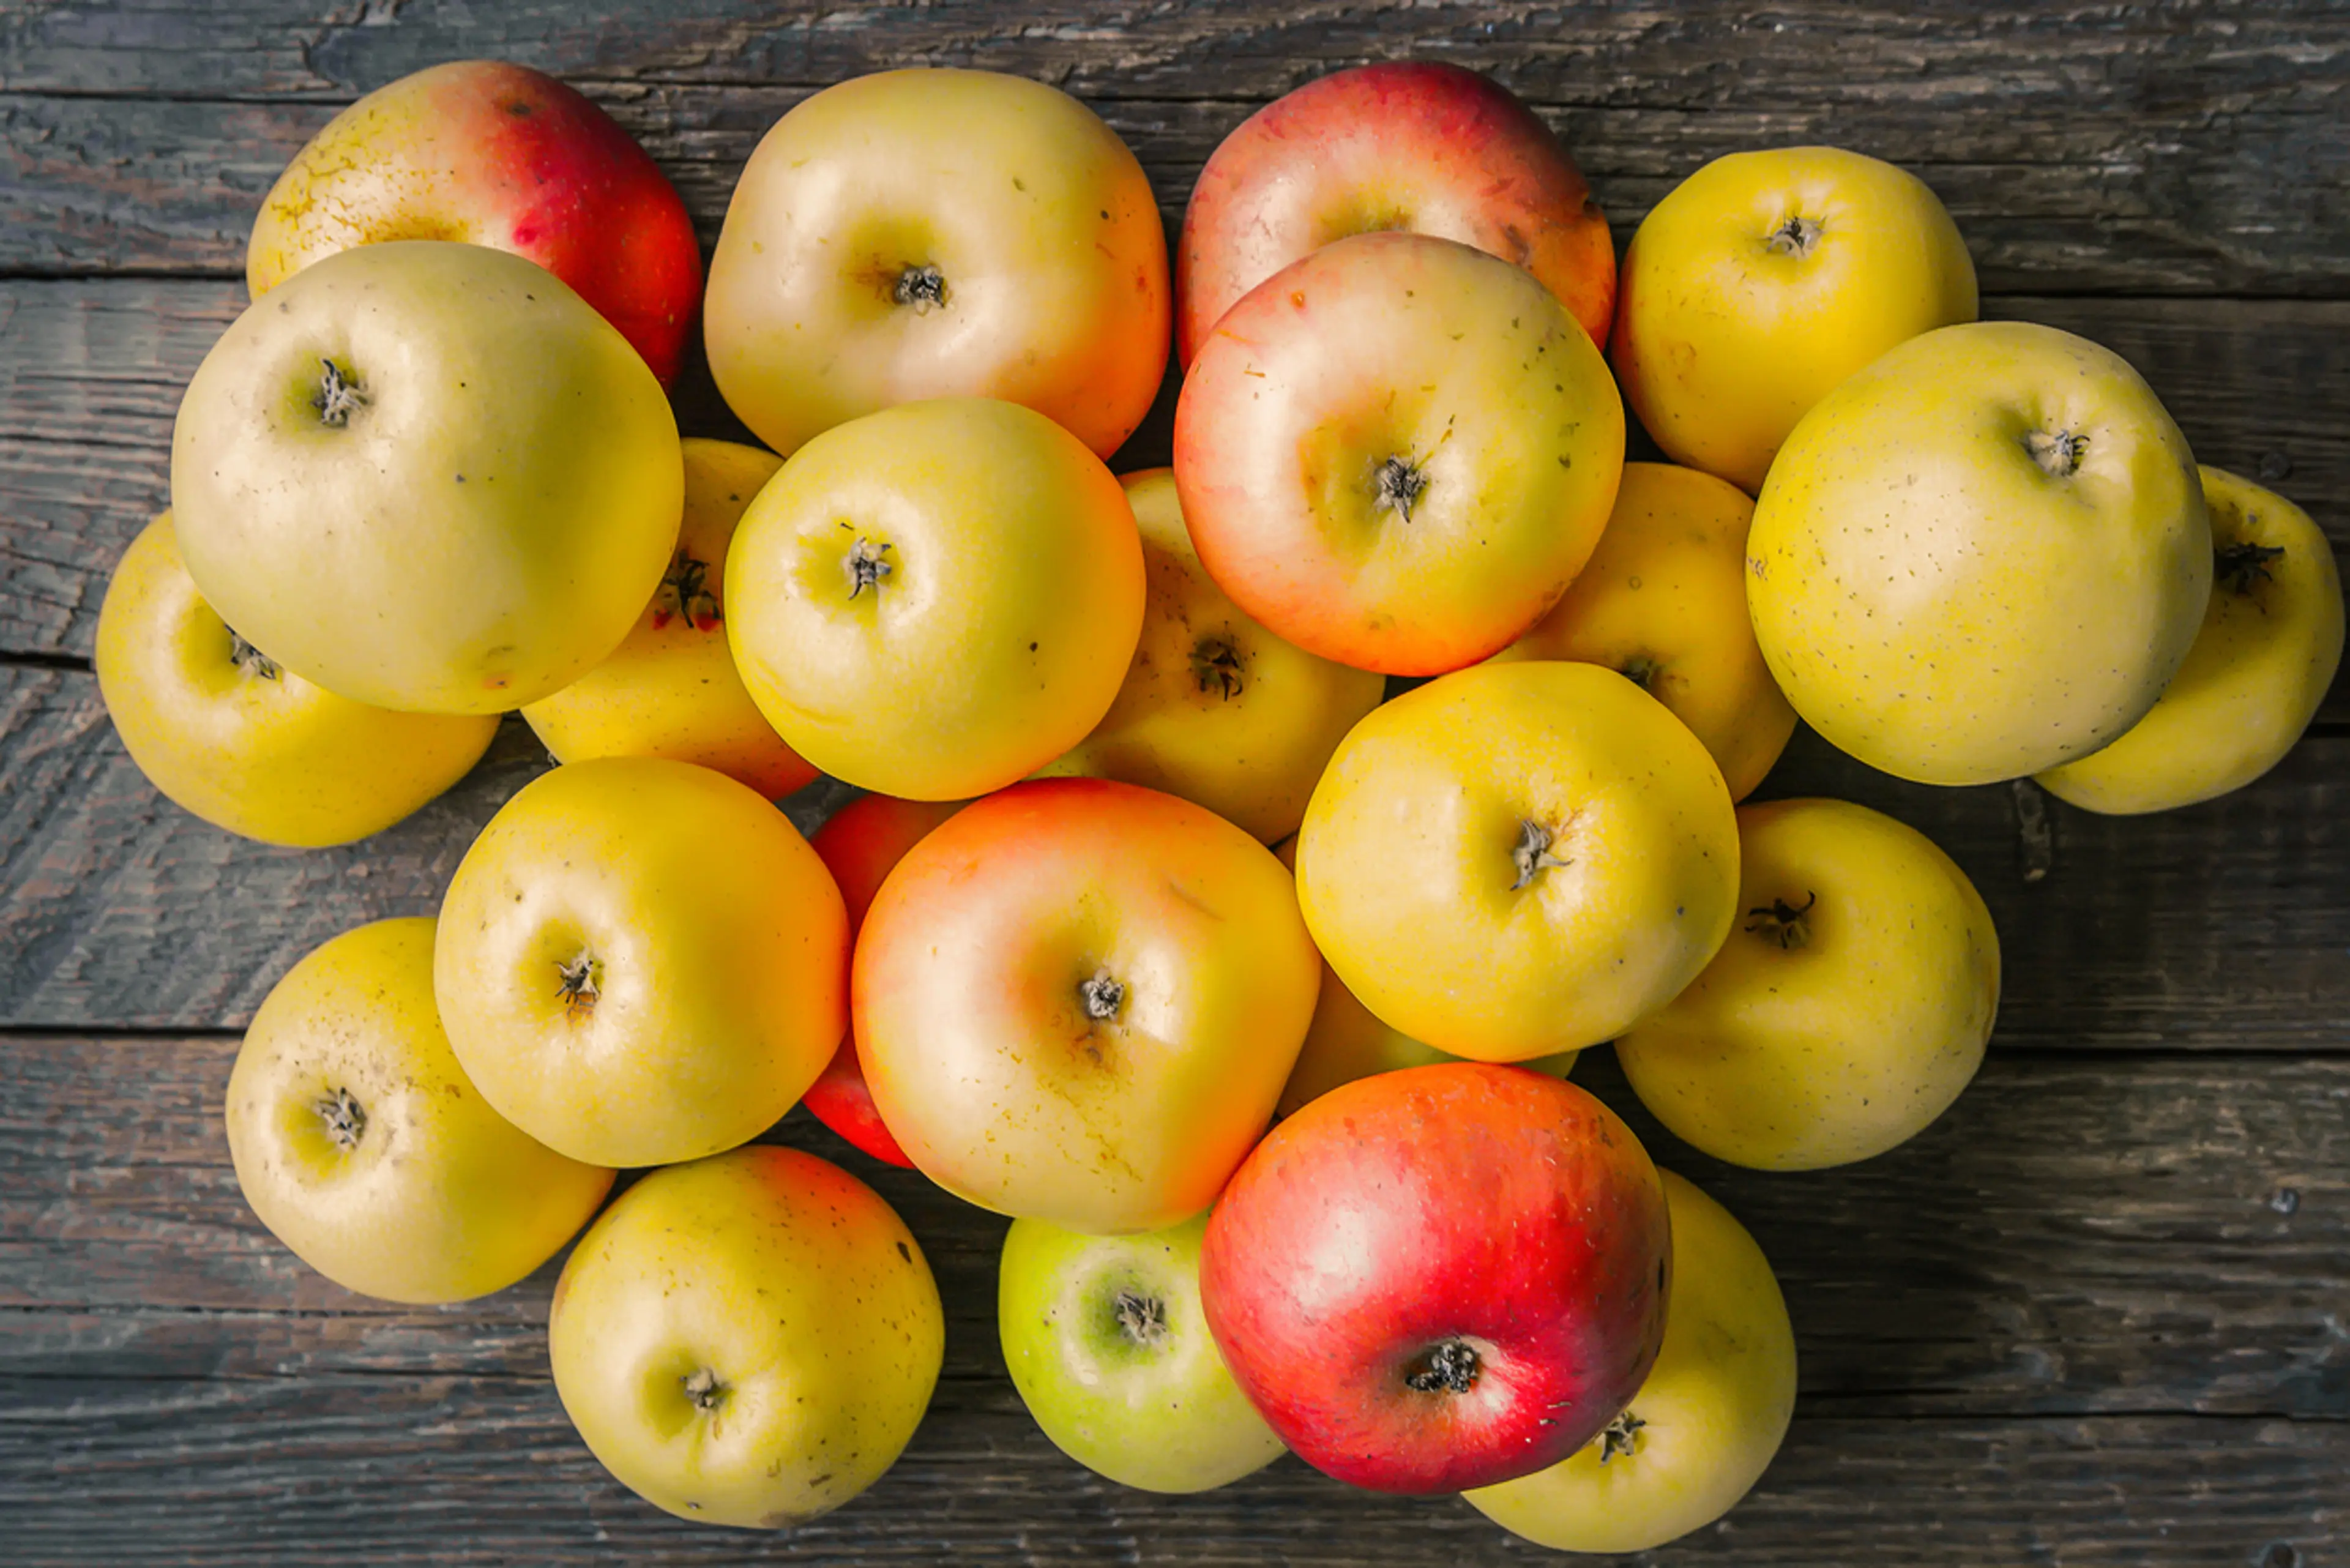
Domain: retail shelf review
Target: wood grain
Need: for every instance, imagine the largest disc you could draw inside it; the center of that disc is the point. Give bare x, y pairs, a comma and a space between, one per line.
2222, 926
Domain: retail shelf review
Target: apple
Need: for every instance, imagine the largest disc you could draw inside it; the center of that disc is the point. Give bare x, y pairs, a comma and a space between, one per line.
2257, 674
1441, 1278
426, 476
939, 233
1407, 145
229, 736
749, 1339
1398, 453
1848, 1009
1519, 859
1702, 1428
1076, 1001
1662, 602
1106, 1342
1985, 555
642, 961
938, 600
496, 154
1764, 279
671, 689
361, 1144
861, 844
1215, 708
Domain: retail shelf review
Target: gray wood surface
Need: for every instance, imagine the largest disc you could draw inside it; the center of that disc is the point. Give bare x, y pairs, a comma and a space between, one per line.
2095, 1315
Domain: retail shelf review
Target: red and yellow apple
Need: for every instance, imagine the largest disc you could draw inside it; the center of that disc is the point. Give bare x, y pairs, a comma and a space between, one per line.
1441, 1278
1076, 1001
217, 726
494, 153
1983, 555
1215, 708
1398, 453
939, 233
1764, 280
1407, 145
671, 689
426, 476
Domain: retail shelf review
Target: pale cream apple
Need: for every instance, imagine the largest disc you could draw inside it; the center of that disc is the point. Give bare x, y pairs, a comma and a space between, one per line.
642, 961
217, 726
1765, 278
1983, 555
426, 476
2259, 669
672, 690
360, 1143
1215, 708
749, 1339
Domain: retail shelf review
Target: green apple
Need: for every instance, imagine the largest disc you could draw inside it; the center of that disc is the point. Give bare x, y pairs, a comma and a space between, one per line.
1106, 1342
1702, 1428
750, 1339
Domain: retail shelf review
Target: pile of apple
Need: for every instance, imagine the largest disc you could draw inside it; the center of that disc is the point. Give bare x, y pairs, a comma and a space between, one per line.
1057, 958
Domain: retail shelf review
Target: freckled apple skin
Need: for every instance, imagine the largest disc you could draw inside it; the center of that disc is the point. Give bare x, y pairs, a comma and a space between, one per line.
1460, 1204
245, 745
495, 154
972, 1020
1409, 145
800, 1295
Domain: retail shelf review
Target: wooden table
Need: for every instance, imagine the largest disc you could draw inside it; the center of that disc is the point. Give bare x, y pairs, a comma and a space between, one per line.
2099, 1314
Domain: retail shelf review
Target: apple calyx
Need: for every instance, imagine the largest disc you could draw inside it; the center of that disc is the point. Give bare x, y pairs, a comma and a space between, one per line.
1216, 666
1102, 996
2241, 568
339, 395
924, 287
1620, 1437
1142, 1318
1450, 1366
686, 591
251, 659
868, 563
702, 1390
1797, 237
1781, 922
346, 1120
1640, 670
2058, 454
1398, 484
1531, 855
581, 984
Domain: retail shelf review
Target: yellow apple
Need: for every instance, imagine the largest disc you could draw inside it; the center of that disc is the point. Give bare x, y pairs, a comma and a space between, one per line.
1662, 602
361, 1144
1705, 1425
749, 1340
1846, 1013
642, 961
1981, 557
1215, 708
1764, 279
427, 476
231, 737
671, 689
1518, 859
2271, 642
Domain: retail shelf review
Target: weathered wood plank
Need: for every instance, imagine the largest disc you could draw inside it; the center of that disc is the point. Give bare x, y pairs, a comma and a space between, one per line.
2137, 1234
2208, 188
91, 372
2088, 146
2222, 926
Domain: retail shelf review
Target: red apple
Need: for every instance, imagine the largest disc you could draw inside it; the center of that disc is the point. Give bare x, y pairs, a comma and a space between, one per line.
1440, 1278
1429, 148
500, 155
860, 843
